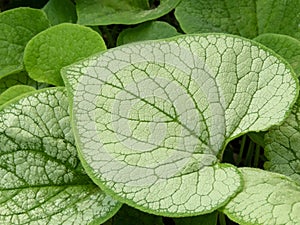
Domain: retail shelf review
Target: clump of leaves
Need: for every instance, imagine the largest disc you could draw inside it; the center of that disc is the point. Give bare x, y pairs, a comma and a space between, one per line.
160, 123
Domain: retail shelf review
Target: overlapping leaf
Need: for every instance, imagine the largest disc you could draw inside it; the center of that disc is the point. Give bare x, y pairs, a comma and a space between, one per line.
152, 119
247, 18
17, 28
42, 181
48, 52
104, 12
283, 146
267, 199
60, 11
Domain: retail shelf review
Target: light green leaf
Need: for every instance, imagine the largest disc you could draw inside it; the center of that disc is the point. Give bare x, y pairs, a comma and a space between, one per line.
286, 46
21, 78
48, 52
147, 31
152, 119
42, 181
208, 219
60, 11
247, 18
104, 12
14, 92
267, 199
283, 146
17, 28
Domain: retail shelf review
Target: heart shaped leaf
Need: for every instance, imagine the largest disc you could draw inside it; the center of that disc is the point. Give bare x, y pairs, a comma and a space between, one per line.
42, 180
152, 119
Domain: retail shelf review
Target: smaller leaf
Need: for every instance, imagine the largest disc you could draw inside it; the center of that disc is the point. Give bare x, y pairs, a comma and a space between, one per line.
14, 92
60, 11
59, 46
235, 17
17, 28
280, 17
266, 199
94, 12
285, 46
147, 31
283, 146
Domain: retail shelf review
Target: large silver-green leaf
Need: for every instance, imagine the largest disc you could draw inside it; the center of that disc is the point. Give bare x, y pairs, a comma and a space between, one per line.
17, 27
42, 180
247, 18
267, 199
151, 119
104, 12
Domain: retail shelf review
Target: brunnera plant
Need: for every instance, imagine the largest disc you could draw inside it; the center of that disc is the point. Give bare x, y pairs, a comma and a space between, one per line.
149, 124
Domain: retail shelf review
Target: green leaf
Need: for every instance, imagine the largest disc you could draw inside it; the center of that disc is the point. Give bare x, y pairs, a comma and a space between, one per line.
283, 146
267, 199
42, 181
17, 28
48, 52
208, 219
94, 12
14, 92
60, 11
147, 31
235, 17
152, 119
247, 18
21, 78
286, 46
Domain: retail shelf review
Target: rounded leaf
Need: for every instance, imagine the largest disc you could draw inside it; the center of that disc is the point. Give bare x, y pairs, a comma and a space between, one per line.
59, 46
17, 28
151, 119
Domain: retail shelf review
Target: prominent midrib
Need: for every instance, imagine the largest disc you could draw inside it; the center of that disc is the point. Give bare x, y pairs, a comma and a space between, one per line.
175, 119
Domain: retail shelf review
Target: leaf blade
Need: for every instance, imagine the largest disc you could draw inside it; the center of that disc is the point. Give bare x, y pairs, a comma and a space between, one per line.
160, 139
42, 179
